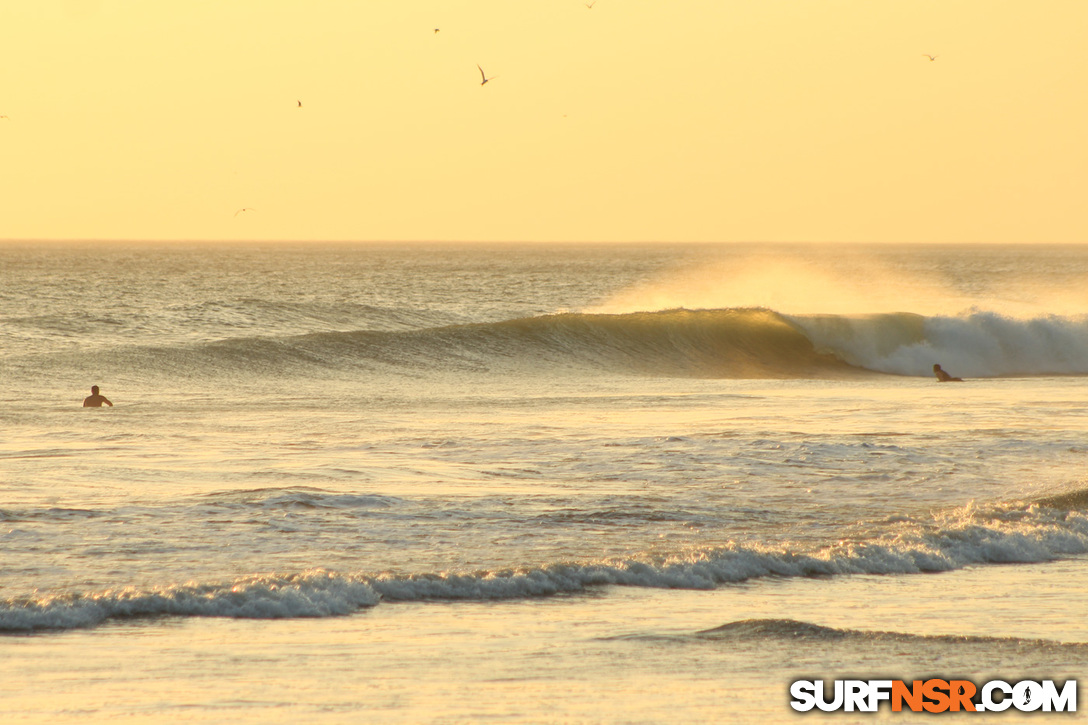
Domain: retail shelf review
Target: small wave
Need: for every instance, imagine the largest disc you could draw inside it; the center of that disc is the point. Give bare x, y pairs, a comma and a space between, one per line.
297, 497
798, 632
310, 594
775, 629
973, 536
970, 536
626, 513
47, 514
1071, 501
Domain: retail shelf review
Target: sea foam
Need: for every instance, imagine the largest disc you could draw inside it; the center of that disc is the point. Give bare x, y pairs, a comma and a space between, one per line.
309, 594
974, 344
964, 537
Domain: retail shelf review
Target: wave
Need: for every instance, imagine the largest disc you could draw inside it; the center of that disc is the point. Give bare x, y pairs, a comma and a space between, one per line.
973, 344
296, 498
795, 631
811, 644
209, 319
897, 650
310, 594
973, 535
724, 343
1069, 501
718, 343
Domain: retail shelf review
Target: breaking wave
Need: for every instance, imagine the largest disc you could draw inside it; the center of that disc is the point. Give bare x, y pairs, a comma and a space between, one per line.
724, 343
1006, 533
311, 594
975, 344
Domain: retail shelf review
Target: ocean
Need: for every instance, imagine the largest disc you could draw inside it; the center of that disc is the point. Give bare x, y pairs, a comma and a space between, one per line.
534, 483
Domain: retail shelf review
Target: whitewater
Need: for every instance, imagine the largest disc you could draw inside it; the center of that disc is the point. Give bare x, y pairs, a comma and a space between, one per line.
533, 483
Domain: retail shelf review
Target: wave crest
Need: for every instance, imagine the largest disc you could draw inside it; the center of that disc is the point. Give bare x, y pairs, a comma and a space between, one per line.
969, 536
722, 343
310, 594
974, 344
805, 633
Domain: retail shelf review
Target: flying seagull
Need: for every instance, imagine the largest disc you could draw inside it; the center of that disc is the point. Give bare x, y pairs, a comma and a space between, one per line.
436, 30
590, 5
485, 78
243, 209
931, 57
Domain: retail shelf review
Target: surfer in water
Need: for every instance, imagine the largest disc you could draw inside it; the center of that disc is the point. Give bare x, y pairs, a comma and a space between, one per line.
94, 400
943, 377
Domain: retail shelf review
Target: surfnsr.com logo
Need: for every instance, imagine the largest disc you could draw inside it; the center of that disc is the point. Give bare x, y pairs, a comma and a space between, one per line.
934, 695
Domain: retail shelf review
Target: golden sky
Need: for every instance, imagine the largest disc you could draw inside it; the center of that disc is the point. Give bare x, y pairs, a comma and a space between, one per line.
655, 120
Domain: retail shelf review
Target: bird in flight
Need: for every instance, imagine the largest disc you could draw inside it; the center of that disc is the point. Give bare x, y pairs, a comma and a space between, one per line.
436, 30
590, 5
242, 210
300, 104
931, 57
482, 75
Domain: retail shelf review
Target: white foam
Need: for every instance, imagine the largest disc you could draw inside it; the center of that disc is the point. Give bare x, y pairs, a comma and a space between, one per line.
965, 537
975, 344
310, 594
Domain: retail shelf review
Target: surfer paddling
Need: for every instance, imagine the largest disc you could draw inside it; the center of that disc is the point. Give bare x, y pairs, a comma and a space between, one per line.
94, 400
943, 377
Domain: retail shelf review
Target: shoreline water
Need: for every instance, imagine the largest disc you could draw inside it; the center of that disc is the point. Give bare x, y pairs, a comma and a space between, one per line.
628, 655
